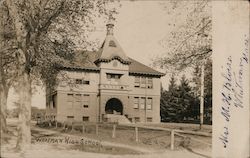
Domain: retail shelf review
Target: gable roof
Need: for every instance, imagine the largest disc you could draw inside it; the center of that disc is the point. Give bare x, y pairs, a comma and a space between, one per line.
85, 60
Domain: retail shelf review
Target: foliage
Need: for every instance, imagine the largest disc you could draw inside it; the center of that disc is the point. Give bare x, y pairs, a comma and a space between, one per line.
190, 40
177, 102
45, 34
183, 101
7, 64
189, 45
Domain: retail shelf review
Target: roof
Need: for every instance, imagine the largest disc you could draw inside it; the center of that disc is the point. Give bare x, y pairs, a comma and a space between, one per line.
85, 60
110, 50
138, 68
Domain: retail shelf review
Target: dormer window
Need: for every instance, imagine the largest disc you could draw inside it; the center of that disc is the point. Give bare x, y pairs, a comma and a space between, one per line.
112, 44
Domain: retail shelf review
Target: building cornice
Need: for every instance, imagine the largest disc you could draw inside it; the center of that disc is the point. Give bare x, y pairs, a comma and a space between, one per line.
127, 62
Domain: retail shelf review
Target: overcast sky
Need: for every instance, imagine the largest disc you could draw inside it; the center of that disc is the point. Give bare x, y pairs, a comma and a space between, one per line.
139, 27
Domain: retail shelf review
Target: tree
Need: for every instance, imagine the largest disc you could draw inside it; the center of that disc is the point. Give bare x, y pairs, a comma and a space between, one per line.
185, 97
190, 41
178, 102
169, 103
7, 64
39, 27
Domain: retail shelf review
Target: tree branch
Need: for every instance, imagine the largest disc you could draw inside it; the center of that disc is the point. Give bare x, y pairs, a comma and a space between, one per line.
44, 27
191, 35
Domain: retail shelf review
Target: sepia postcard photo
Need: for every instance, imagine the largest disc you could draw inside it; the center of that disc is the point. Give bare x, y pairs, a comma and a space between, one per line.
124, 79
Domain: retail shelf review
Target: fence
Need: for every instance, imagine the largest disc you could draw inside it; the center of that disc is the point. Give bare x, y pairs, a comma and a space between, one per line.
136, 128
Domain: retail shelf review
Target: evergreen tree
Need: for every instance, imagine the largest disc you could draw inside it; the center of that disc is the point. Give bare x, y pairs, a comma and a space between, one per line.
185, 98
169, 102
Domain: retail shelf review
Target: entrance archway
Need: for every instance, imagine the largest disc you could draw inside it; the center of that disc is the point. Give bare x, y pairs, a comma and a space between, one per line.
114, 106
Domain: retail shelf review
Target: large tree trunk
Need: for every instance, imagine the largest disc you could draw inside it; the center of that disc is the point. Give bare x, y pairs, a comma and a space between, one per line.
24, 133
3, 102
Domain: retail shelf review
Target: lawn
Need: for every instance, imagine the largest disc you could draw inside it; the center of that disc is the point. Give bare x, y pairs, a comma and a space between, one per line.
152, 143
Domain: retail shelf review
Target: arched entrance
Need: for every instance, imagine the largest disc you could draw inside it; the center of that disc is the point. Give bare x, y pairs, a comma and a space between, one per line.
114, 106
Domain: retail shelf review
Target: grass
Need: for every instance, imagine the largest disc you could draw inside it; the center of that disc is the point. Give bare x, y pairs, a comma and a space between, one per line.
154, 140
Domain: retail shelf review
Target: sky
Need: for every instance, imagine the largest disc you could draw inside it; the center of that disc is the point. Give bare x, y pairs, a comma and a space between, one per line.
139, 28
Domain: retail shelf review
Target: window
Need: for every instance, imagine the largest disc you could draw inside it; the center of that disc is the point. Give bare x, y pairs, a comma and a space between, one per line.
70, 100
149, 104
143, 82
137, 81
136, 102
149, 119
85, 118
85, 100
70, 104
78, 81
113, 76
70, 118
78, 97
108, 76
150, 83
112, 44
78, 104
70, 97
85, 82
137, 119
85, 106
142, 103
81, 81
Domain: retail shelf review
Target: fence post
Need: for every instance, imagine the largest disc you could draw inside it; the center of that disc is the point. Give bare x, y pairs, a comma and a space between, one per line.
136, 134
96, 129
83, 128
113, 133
64, 125
172, 140
72, 128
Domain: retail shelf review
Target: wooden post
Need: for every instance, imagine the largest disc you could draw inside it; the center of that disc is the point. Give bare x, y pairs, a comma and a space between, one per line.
72, 128
172, 140
202, 96
64, 125
83, 128
113, 133
96, 129
136, 134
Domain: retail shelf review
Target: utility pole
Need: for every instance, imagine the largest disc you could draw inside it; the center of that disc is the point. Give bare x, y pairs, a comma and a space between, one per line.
202, 83
202, 95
